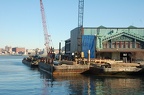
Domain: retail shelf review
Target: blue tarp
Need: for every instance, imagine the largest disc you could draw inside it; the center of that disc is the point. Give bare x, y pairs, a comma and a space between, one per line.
88, 43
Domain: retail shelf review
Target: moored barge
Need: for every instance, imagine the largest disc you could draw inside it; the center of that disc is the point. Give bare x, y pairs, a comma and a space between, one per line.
63, 68
117, 69
31, 61
102, 69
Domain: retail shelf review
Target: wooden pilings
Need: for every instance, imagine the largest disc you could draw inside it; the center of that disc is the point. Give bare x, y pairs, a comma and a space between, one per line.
88, 60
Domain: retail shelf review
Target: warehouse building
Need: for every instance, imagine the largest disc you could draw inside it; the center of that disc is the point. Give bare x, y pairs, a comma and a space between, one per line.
119, 43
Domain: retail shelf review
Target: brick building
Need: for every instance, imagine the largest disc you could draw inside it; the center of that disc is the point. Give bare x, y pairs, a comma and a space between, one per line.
18, 50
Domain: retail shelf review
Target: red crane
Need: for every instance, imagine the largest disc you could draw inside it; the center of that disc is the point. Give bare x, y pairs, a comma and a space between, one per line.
46, 36
47, 40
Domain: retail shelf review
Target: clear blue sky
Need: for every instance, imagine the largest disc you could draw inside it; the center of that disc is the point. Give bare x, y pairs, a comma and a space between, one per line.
21, 23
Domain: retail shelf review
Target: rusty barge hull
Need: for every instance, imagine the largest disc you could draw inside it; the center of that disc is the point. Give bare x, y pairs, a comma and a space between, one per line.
117, 71
63, 69
96, 69
30, 64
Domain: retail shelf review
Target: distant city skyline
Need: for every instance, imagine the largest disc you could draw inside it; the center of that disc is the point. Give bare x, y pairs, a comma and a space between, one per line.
8, 50
25, 47
21, 23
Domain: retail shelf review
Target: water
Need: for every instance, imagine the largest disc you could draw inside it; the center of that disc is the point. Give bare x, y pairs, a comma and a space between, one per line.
19, 79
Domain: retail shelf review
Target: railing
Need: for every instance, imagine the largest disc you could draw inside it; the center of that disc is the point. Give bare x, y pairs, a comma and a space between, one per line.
103, 61
99, 60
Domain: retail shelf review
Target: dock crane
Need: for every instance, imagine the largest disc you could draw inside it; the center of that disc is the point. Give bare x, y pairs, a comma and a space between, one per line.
46, 36
80, 25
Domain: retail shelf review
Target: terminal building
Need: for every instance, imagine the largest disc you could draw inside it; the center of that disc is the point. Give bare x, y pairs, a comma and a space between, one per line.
118, 43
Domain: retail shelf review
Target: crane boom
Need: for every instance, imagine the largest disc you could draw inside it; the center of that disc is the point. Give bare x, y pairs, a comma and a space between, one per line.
80, 24
80, 13
46, 36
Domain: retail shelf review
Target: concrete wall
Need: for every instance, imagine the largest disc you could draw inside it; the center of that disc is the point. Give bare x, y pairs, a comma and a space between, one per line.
74, 40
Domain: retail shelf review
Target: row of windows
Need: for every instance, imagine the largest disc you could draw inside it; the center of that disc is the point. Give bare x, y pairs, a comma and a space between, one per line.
122, 45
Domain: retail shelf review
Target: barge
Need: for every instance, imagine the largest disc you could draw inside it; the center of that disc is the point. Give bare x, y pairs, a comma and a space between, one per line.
117, 69
31, 61
59, 68
99, 69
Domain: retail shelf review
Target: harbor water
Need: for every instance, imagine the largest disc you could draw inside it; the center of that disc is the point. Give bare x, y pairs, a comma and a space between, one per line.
18, 79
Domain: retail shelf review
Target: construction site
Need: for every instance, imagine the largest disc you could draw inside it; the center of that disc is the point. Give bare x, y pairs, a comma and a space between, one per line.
124, 44
116, 43
96, 60
99, 50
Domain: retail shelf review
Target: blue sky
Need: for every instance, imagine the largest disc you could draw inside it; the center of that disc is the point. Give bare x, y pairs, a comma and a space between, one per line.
21, 23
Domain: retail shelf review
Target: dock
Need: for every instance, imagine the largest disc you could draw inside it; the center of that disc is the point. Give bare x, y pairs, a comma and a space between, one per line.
85, 66
96, 67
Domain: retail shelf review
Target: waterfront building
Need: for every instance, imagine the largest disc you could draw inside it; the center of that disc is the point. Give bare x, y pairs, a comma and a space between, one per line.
119, 43
8, 49
68, 46
18, 50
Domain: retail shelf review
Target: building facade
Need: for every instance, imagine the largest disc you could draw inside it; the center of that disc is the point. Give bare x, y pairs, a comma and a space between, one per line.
119, 43
18, 50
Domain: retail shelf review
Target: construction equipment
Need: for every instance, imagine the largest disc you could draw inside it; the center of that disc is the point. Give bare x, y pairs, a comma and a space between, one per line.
80, 13
47, 42
46, 36
80, 25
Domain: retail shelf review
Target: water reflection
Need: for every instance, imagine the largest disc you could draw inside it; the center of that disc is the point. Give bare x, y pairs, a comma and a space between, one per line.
19, 79
119, 86
91, 85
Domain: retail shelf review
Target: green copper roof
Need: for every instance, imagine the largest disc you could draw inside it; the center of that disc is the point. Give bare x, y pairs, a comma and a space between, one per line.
102, 27
132, 27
